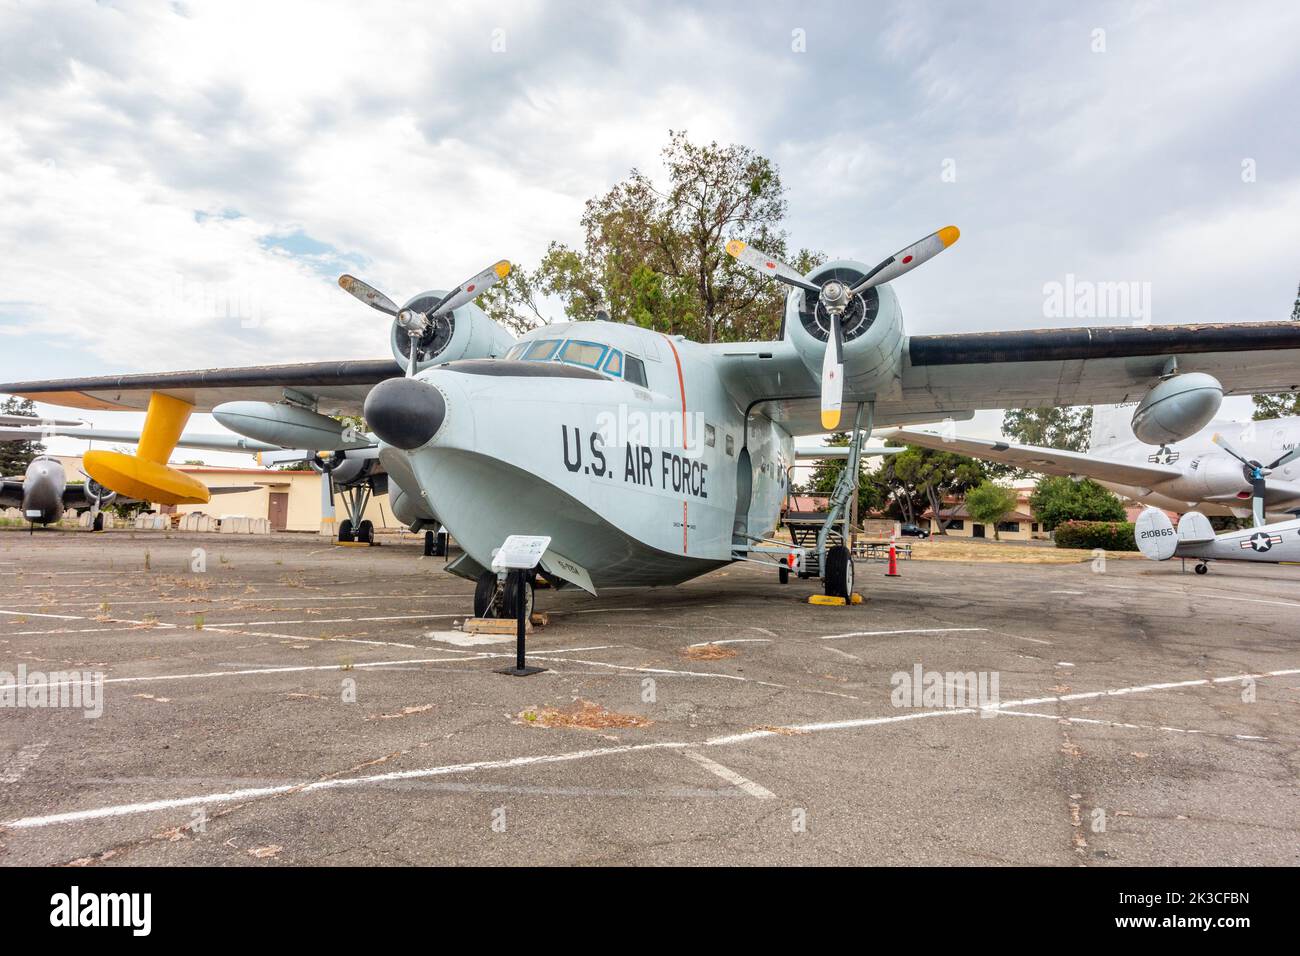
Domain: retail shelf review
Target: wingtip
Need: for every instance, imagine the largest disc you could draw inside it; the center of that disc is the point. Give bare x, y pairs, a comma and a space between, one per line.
948, 235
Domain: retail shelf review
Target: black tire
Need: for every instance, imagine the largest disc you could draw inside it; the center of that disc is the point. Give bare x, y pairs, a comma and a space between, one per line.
783, 574
1202, 569
510, 600
428, 544
366, 532
839, 572
98, 523
484, 593
440, 544
345, 530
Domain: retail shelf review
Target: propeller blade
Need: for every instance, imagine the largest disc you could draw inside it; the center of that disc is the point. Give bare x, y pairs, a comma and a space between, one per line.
326, 496
1257, 501
769, 266
1226, 446
905, 260
471, 289
368, 294
833, 376
1288, 456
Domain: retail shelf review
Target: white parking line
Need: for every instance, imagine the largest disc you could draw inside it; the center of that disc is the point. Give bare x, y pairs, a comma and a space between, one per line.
735, 640
1116, 723
62, 617
729, 775
916, 630
127, 809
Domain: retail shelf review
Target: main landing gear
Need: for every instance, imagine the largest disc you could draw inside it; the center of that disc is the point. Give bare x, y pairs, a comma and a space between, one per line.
1202, 568
492, 598
355, 528
838, 580
836, 561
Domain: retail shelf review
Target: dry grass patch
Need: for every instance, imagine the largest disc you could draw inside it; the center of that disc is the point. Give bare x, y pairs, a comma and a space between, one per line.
708, 652
583, 715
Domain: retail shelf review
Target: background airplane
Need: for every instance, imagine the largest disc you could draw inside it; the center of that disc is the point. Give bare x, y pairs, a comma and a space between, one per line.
43, 493
1224, 468
1194, 538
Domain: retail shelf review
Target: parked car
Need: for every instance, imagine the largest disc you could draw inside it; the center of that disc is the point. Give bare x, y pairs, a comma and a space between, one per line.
911, 530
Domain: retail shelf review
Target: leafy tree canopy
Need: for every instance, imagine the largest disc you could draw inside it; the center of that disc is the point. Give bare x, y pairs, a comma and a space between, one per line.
654, 251
15, 456
1060, 499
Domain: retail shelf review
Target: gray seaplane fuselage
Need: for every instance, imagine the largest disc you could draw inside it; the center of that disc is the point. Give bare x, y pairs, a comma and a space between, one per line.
636, 483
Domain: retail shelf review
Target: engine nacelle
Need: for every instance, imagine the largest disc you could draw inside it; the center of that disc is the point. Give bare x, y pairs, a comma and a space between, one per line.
99, 494
465, 333
872, 327
348, 468
1177, 408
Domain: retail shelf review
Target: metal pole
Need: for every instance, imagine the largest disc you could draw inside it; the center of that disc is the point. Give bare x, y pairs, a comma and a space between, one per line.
520, 612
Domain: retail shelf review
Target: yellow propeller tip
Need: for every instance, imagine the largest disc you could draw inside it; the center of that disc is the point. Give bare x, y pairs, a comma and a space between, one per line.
948, 235
502, 269
830, 420
735, 247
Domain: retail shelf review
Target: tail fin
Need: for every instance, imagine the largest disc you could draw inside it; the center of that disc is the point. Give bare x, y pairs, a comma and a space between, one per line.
1155, 535
1111, 427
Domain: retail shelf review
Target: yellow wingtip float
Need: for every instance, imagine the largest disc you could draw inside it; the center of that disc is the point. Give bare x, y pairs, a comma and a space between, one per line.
146, 474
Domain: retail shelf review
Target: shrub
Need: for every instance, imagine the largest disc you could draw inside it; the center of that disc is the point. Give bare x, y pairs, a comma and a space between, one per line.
1111, 535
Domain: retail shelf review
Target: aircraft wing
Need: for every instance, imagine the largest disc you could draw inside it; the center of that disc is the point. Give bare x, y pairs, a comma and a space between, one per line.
1048, 461
952, 374
339, 387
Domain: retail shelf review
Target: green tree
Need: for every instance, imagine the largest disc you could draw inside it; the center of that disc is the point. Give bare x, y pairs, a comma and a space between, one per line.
1066, 428
1279, 404
931, 476
989, 502
654, 254
15, 456
1061, 499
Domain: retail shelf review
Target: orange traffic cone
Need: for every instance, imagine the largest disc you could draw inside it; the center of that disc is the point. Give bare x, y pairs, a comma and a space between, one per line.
893, 561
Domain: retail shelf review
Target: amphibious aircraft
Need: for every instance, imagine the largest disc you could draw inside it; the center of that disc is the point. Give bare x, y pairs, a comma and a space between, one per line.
1269, 544
1220, 468
558, 433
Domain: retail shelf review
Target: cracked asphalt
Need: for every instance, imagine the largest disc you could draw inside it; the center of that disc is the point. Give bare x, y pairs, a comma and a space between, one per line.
290, 702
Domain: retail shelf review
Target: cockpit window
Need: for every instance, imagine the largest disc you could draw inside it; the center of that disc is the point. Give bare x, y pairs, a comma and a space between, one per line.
614, 364
586, 354
542, 350
516, 351
636, 371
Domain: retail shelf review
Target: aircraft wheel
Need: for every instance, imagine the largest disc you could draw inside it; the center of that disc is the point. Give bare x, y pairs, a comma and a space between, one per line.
428, 544
783, 575
366, 532
510, 600
485, 592
98, 523
440, 544
345, 530
839, 572
1202, 569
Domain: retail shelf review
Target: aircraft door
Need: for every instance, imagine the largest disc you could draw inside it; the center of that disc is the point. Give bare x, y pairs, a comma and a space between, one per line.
744, 495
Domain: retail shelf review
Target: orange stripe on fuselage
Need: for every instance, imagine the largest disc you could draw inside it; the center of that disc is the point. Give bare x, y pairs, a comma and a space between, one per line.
681, 384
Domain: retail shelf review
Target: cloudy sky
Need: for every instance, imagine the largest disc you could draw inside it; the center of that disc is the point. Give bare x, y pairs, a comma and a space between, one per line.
182, 183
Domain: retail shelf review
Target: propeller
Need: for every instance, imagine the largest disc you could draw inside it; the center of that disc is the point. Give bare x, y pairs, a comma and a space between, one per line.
1256, 474
836, 297
415, 323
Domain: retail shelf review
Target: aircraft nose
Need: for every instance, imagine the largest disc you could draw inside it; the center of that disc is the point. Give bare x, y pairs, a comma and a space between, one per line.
405, 412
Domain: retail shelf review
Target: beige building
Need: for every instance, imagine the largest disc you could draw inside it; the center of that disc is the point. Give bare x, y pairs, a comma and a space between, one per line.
290, 500
1020, 525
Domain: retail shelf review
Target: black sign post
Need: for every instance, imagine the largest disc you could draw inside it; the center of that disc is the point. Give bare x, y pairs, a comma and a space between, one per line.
519, 578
